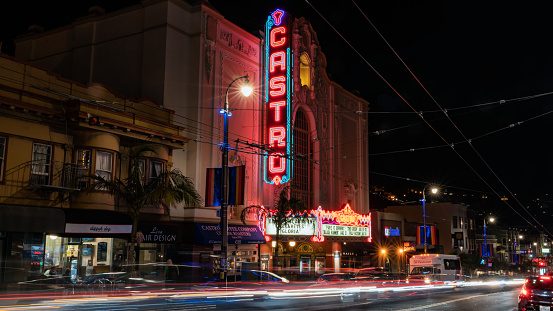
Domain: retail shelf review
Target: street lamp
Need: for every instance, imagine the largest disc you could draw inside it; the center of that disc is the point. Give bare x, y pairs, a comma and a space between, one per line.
399, 260
434, 191
485, 242
246, 90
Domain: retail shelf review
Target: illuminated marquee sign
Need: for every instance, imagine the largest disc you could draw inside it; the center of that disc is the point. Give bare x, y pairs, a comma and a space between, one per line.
278, 94
293, 227
321, 223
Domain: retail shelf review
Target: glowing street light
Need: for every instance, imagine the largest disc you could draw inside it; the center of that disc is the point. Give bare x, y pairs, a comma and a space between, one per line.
487, 253
434, 190
246, 90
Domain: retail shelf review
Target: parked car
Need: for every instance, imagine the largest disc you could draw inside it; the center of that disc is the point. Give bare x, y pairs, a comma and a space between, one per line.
536, 294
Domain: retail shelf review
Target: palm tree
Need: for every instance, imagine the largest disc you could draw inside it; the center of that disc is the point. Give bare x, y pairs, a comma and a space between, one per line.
168, 188
280, 215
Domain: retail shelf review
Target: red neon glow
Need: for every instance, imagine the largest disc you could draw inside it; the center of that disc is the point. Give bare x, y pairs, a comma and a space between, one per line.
281, 167
316, 239
278, 135
268, 238
277, 105
346, 217
346, 214
277, 86
277, 59
282, 40
277, 15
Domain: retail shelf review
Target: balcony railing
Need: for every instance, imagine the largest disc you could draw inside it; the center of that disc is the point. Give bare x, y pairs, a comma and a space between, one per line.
54, 176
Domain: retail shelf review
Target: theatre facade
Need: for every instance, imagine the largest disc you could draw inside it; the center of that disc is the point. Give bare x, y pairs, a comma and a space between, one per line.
298, 130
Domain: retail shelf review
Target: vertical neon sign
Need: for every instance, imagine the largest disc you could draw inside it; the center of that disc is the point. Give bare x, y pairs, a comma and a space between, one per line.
278, 94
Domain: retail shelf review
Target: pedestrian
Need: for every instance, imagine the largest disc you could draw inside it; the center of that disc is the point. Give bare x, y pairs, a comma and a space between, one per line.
171, 272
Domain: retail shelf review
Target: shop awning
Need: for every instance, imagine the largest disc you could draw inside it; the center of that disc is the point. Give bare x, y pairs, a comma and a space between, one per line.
211, 234
17, 218
96, 223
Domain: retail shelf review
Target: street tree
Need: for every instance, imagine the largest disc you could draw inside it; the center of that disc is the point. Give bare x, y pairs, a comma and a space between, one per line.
136, 192
286, 210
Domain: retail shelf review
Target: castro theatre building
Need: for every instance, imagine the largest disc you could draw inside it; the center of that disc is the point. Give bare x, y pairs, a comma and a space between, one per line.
298, 128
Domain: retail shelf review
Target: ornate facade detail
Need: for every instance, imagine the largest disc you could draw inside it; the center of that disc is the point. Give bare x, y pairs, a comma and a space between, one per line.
237, 43
209, 47
305, 248
350, 191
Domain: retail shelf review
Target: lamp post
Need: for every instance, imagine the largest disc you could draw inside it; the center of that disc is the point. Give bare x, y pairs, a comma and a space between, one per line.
434, 191
246, 90
487, 254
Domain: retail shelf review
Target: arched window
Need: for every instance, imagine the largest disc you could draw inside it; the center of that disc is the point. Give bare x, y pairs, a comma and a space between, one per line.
302, 184
305, 74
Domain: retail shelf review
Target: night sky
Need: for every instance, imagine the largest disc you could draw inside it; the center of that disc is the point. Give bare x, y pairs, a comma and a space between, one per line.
489, 64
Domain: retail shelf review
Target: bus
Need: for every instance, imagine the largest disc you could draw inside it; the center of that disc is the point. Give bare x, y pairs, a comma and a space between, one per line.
436, 267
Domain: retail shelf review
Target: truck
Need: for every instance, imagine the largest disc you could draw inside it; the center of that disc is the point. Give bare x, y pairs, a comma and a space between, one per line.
436, 267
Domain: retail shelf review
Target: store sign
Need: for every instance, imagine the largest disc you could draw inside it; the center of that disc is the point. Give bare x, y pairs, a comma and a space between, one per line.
389, 231
294, 226
545, 250
97, 228
160, 234
211, 234
278, 98
349, 231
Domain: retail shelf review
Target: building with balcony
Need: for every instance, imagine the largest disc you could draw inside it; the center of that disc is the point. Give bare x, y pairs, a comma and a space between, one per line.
185, 55
54, 131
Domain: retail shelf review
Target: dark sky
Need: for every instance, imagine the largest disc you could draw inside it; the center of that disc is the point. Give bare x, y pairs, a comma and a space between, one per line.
470, 57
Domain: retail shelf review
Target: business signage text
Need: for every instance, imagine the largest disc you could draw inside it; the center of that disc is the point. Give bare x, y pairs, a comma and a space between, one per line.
278, 98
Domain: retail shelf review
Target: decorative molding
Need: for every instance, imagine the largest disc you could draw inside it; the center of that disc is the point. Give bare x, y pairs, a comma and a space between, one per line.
209, 46
237, 43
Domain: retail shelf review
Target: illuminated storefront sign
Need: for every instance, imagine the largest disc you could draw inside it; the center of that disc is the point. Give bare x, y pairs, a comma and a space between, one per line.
278, 95
389, 231
320, 223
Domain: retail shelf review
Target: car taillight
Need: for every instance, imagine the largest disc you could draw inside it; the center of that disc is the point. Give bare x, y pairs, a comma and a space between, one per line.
523, 292
547, 278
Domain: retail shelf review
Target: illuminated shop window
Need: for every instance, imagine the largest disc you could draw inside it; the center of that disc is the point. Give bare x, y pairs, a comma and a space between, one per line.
305, 74
303, 148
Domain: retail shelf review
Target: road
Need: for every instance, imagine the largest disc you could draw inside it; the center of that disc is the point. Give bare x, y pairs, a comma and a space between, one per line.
489, 297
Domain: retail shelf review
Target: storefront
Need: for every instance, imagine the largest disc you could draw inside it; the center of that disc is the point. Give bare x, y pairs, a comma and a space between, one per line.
161, 241
243, 246
320, 242
22, 241
93, 241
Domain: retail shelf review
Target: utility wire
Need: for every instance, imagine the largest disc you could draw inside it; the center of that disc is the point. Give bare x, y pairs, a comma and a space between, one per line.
454, 125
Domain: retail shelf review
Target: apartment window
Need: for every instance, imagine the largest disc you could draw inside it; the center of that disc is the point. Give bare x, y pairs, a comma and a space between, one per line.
2, 156
454, 222
41, 164
104, 164
156, 168
83, 166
